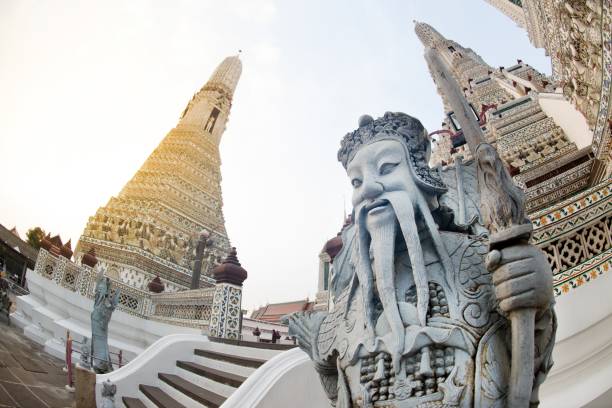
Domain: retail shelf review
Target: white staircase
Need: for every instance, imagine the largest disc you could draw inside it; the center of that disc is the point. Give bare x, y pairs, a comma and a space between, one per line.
194, 372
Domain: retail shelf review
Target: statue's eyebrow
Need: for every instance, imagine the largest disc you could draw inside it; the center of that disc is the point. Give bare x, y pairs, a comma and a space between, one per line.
388, 150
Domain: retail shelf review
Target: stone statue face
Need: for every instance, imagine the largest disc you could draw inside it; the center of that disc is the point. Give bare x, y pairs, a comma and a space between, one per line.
377, 170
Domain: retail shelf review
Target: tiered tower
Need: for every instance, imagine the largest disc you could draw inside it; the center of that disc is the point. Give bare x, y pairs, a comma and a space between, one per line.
152, 228
577, 36
544, 161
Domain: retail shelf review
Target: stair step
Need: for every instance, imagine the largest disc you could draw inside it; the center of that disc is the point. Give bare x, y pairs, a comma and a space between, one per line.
231, 358
158, 397
252, 344
130, 402
233, 380
208, 398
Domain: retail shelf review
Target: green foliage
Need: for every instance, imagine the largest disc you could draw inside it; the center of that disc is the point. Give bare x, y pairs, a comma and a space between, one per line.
34, 236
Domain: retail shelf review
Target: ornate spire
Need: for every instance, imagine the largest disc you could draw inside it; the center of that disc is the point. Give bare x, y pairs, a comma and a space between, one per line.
512, 9
210, 106
173, 197
427, 34
227, 73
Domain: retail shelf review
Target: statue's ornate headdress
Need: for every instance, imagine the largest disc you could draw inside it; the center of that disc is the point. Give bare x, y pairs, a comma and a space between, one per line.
405, 129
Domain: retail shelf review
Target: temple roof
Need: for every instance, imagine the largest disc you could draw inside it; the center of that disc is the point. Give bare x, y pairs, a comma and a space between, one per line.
273, 312
12, 240
14, 231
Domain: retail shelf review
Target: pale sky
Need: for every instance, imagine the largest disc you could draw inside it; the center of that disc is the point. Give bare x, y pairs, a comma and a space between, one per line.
89, 88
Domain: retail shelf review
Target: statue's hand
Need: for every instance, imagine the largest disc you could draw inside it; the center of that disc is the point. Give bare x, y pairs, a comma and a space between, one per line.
522, 277
305, 327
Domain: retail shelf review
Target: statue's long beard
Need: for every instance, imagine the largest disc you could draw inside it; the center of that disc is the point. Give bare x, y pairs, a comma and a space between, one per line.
378, 233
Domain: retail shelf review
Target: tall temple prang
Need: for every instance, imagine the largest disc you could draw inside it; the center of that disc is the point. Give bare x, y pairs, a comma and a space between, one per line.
152, 227
520, 114
577, 36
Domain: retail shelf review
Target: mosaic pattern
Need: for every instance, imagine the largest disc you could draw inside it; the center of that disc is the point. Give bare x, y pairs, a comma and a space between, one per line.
226, 310
586, 272
601, 134
574, 207
576, 236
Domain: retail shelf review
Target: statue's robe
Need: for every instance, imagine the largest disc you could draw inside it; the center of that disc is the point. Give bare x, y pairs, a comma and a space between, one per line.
461, 358
104, 305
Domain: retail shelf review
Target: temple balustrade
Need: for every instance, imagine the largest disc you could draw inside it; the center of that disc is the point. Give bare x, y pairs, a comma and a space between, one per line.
189, 308
576, 235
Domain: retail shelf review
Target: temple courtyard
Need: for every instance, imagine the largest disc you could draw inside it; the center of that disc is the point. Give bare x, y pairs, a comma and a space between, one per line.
29, 377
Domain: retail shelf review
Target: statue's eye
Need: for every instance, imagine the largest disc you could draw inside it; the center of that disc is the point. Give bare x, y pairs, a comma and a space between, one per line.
387, 168
356, 182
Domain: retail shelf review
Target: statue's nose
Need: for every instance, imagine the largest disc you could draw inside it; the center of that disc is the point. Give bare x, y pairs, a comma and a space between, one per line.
372, 189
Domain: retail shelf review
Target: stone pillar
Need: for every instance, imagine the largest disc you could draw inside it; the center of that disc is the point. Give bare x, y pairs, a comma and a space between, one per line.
227, 301
225, 314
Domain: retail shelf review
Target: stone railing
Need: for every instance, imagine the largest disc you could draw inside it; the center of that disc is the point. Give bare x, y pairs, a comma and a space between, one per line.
190, 308
576, 236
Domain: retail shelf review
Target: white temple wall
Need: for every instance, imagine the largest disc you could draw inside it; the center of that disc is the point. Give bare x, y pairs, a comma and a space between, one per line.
50, 310
567, 118
582, 356
289, 379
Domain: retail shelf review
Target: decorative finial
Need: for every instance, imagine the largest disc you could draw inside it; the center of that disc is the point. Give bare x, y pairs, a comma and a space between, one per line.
230, 270
89, 258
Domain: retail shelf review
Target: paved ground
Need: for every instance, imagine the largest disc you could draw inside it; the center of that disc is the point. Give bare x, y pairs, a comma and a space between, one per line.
29, 377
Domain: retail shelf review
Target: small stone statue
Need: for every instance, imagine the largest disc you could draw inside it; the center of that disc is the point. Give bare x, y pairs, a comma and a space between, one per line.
108, 394
104, 305
85, 354
420, 305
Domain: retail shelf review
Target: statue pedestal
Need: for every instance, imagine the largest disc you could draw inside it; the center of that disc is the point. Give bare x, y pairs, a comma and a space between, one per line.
85, 385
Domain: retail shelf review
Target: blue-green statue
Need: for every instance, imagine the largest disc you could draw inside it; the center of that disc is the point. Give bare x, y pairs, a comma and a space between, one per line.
104, 305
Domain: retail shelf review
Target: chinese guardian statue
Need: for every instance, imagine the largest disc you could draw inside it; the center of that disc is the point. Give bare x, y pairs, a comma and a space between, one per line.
419, 303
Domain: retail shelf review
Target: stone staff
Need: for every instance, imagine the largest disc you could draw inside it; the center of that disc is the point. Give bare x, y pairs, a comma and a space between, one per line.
502, 209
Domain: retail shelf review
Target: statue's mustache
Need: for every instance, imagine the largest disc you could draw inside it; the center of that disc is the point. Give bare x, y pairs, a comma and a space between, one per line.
381, 202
